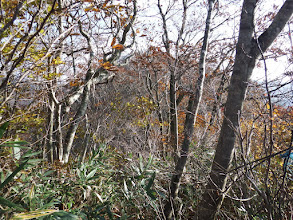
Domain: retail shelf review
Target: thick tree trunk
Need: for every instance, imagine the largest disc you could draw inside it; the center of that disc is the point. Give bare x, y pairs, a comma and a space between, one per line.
248, 51
192, 109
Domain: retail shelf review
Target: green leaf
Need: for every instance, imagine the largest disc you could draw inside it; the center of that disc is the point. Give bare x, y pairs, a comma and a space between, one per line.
150, 161
91, 174
6, 202
141, 164
152, 194
3, 128
34, 161
13, 174
49, 172
31, 154
151, 181
64, 216
15, 143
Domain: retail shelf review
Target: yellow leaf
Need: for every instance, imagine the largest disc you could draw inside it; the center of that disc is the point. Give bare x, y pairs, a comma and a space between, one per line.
88, 9
33, 214
32, 192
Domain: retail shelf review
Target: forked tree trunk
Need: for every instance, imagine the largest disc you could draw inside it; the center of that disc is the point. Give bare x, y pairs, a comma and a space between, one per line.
248, 51
192, 109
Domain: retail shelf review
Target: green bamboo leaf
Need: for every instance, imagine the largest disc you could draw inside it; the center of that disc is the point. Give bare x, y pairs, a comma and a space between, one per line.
3, 128
15, 143
13, 174
141, 167
151, 181
150, 161
91, 174
49, 172
10, 204
34, 161
64, 216
31, 154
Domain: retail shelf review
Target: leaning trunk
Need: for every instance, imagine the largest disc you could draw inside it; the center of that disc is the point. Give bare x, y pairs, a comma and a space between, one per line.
74, 125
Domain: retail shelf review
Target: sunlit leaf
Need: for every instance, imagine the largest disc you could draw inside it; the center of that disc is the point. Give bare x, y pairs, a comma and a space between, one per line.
33, 214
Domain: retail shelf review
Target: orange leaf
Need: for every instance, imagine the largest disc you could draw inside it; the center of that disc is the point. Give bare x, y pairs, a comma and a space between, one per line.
113, 42
88, 9
118, 47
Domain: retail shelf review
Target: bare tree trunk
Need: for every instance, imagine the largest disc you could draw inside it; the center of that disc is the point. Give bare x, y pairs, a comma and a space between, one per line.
172, 83
59, 136
173, 116
51, 131
248, 51
58, 112
55, 134
192, 109
74, 125
86, 140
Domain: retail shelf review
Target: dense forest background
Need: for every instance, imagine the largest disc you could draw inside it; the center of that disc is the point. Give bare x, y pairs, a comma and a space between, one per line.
131, 109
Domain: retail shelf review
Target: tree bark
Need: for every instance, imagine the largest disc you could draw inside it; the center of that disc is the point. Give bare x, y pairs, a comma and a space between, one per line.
248, 51
192, 109
73, 127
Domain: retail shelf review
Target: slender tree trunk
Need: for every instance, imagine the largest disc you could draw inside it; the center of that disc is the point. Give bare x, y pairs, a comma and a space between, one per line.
192, 109
173, 116
248, 51
58, 113
59, 134
86, 140
51, 131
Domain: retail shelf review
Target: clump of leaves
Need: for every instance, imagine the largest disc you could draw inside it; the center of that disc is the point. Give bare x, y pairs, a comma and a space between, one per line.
106, 186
